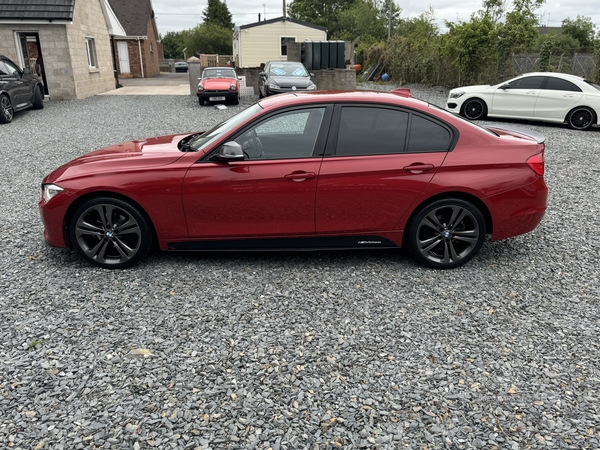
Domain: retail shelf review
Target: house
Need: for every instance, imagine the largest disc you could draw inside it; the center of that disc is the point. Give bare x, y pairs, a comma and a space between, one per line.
65, 42
137, 50
259, 42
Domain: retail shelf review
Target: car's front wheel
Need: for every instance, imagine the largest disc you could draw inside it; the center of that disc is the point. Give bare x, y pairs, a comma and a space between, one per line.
38, 98
446, 233
6, 109
581, 118
474, 109
110, 233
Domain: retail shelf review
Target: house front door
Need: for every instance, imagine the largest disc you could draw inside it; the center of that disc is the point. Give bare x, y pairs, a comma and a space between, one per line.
123, 57
30, 56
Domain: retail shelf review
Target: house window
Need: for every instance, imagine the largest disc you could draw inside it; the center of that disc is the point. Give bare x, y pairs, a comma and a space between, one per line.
284, 42
151, 48
90, 46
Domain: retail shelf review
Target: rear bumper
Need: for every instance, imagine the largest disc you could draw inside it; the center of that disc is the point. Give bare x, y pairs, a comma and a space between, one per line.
528, 205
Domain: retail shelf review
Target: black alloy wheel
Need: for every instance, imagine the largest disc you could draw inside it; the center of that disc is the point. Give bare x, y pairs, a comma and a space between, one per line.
474, 109
6, 109
446, 233
581, 118
110, 233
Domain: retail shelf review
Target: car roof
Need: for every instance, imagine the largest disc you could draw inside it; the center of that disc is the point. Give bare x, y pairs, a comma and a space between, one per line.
358, 96
566, 76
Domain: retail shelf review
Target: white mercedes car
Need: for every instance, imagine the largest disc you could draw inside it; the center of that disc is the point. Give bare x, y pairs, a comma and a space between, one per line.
543, 96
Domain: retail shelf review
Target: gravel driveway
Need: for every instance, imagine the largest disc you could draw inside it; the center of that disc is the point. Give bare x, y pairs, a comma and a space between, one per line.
318, 350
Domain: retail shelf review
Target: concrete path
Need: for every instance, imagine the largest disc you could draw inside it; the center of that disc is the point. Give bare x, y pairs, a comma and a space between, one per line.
161, 84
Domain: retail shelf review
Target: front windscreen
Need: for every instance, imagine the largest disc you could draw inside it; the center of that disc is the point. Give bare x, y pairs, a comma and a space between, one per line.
200, 142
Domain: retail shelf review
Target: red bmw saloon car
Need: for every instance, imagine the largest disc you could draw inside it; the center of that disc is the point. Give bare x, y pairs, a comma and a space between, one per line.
323, 170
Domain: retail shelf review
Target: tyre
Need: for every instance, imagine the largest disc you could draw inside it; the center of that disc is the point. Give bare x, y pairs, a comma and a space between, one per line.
110, 233
474, 109
6, 109
201, 101
446, 233
235, 101
260, 94
581, 118
38, 98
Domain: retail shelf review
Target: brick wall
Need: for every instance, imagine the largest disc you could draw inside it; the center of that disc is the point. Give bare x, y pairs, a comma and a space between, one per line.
150, 50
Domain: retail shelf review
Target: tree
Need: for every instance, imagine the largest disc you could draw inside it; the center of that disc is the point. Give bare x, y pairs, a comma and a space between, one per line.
209, 38
364, 18
581, 29
173, 44
217, 13
471, 49
319, 12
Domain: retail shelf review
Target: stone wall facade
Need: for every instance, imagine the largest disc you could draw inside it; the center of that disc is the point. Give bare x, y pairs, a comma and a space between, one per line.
89, 22
63, 48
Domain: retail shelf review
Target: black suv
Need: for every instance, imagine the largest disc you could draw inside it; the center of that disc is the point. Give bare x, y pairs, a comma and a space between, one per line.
19, 89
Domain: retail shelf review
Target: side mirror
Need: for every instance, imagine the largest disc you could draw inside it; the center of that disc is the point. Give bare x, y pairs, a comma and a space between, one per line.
505, 86
230, 151
312, 74
262, 74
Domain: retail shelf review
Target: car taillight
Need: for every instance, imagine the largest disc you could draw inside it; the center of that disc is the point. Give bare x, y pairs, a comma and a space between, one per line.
536, 162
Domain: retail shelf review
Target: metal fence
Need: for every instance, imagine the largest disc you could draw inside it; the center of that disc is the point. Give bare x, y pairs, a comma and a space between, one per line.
581, 64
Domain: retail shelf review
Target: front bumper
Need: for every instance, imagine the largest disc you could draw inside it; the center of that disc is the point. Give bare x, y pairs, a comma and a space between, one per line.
228, 95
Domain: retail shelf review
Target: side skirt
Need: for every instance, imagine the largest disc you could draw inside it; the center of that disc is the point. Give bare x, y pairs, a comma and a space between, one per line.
312, 243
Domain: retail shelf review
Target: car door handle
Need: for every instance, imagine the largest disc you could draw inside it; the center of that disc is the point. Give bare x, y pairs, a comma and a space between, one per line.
568, 95
531, 92
418, 167
299, 176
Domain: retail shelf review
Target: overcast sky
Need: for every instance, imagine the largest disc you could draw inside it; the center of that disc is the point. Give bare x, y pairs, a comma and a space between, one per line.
175, 15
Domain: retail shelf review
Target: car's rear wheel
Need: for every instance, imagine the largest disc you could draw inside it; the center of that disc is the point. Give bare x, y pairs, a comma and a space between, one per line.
38, 98
110, 233
6, 109
446, 233
474, 109
581, 118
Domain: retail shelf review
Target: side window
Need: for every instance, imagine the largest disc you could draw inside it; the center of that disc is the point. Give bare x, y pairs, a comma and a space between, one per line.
90, 46
291, 134
12, 69
284, 42
3, 69
428, 136
527, 83
371, 131
557, 84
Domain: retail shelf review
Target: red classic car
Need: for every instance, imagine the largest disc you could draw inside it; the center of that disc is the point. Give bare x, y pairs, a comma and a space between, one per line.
323, 170
219, 84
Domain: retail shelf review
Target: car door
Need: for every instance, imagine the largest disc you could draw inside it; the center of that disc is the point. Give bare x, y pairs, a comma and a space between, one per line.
12, 81
272, 192
379, 163
517, 98
556, 99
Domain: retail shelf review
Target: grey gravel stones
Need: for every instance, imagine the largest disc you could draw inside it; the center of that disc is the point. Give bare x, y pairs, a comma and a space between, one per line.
293, 350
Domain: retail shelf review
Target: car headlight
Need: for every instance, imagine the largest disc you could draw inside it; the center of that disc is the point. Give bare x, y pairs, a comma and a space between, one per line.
311, 87
233, 87
50, 190
200, 87
273, 85
457, 94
